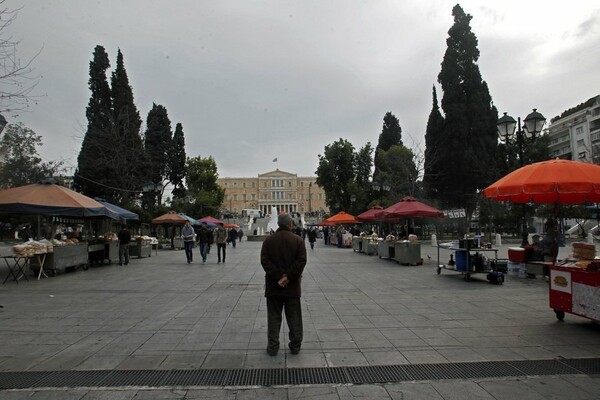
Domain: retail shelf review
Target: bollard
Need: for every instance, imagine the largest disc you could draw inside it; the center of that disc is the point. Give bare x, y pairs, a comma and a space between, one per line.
498, 240
433, 240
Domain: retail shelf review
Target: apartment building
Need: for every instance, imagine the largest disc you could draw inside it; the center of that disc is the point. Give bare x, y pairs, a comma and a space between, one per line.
575, 134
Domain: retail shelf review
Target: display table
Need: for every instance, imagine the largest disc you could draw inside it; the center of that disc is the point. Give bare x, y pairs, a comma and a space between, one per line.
386, 249
357, 244
140, 248
470, 261
407, 253
17, 266
62, 257
369, 246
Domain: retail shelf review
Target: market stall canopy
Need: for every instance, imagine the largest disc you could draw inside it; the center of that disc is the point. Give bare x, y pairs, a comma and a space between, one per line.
50, 199
210, 220
325, 223
410, 207
123, 213
229, 226
192, 220
553, 181
369, 215
170, 218
343, 218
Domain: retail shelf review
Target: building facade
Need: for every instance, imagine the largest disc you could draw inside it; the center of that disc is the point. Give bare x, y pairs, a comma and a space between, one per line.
575, 135
288, 192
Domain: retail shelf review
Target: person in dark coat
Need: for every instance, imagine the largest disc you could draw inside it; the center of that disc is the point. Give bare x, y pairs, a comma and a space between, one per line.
232, 236
124, 238
204, 238
312, 238
283, 257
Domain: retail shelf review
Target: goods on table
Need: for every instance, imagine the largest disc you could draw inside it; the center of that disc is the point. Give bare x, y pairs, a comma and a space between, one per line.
584, 251
31, 248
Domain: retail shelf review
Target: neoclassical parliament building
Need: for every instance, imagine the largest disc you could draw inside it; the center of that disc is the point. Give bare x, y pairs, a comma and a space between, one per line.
286, 191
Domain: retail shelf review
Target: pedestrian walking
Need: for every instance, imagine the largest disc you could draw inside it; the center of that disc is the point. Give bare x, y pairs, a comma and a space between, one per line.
312, 238
240, 235
283, 257
232, 236
124, 237
221, 239
187, 233
204, 236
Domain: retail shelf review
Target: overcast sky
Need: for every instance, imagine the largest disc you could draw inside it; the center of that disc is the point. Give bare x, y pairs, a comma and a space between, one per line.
251, 81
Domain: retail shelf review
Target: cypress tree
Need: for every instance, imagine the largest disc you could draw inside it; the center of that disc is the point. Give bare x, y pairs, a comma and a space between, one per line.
176, 162
128, 147
433, 167
469, 136
94, 164
391, 135
157, 142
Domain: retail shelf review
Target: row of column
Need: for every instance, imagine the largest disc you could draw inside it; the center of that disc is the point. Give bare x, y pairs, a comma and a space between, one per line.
287, 208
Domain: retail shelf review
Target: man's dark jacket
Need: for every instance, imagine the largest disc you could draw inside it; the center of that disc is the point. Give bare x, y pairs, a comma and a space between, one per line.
204, 235
282, 253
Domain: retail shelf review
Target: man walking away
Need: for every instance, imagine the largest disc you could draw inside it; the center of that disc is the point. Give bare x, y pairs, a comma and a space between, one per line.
240, 235
203, 240
187, 233
312, 238
221, 239
124, 239
283, 257
232, 236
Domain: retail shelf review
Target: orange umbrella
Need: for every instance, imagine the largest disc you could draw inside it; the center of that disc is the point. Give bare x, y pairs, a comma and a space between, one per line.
170, 218
325, 223
343, 218
553, 181
229, 226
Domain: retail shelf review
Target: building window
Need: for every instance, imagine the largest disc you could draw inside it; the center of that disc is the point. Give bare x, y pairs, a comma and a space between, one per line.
225, 197
235, 197
580, 143
243, 184
225, 184
252, 184
290, 183
302, 184
596, 111
579, 130
253, 197
302, 196
234, 184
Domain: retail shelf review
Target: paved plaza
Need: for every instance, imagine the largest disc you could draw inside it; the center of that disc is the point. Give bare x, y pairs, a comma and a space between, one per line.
160, 313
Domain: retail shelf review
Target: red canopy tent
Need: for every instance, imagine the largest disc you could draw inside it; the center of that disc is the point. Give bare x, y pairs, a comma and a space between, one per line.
410, 207
325, 223
210, 219
369, 215
170, 218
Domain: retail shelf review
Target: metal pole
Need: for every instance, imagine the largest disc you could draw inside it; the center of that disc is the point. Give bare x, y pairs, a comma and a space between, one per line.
520, 140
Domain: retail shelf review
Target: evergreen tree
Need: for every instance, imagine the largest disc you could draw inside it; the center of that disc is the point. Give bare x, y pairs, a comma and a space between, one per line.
94, 163
157, 143
21, 163
391, 135
176, 162
201, 176
128, 150
336, 174
433, 167
469, 137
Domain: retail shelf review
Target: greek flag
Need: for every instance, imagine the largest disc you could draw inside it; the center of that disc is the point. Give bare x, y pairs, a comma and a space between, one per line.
275, 159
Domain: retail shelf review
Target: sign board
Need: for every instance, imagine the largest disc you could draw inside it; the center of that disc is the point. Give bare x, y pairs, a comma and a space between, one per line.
458, 213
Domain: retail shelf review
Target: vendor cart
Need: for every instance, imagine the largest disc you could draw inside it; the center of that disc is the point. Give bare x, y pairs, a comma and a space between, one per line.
574, 286
575, 291
357, 243
469, 261
140, 248
63, 257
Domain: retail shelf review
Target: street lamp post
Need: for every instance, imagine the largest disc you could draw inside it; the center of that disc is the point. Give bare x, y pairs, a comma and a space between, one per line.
534, 122
381, 188
153, 189
309, 198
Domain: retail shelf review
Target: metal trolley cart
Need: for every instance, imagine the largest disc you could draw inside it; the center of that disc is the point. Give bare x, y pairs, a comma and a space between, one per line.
575, 291
469, 261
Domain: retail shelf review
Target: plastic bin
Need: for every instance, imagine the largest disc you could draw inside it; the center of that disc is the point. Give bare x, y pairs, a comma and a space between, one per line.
461, 260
